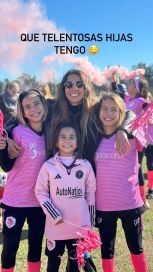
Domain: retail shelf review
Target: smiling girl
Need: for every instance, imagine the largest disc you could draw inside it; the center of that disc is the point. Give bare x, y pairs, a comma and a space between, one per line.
19, 201
65, 189
117, 193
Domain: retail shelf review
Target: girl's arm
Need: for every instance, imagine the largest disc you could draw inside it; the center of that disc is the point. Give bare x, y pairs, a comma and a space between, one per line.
13, 148
10, 124
129, 116
42, 192
90, 192
122, 143
2, 143
5, 162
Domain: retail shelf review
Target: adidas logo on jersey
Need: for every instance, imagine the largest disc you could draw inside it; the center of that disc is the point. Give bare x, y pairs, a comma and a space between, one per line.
57, 176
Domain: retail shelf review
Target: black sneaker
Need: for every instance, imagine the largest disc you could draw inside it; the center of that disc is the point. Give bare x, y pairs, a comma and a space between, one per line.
150, 194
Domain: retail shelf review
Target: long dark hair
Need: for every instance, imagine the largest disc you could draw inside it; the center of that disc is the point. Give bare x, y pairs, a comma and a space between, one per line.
61, 109
56, 136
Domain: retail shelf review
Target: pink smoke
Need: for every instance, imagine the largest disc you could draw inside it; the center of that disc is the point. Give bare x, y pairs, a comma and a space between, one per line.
19, 17
96, 75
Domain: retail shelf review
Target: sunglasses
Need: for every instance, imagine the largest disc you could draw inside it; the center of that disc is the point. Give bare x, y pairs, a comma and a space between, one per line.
78, 84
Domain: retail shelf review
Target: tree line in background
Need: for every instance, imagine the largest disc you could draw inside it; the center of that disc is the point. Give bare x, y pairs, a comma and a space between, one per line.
27, 81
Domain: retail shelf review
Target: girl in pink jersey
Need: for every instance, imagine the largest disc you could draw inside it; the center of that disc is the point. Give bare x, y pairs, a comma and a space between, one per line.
138, 92
65, 189
19, 201
2, 146
117, 193
149, 159
137, 101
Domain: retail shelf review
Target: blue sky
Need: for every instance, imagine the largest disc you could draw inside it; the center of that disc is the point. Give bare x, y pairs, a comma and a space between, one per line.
108, 16
94, 17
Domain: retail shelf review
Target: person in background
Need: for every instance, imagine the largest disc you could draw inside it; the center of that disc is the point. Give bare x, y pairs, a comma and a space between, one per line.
149, 159
45, 90
8, 100
117, 87
3, 143
138, 91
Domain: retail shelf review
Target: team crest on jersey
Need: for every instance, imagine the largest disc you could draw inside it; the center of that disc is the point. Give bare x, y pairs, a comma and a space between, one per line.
33, 149
136, 222
50, 245
79, 174
10, 222
99, 220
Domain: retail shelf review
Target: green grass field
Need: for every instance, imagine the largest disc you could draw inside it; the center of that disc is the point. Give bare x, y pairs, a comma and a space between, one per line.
122, 259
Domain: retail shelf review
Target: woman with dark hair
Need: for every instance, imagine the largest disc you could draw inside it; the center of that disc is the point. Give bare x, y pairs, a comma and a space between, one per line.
74, 102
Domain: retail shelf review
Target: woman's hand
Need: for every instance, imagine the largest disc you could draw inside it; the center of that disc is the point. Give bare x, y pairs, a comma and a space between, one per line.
2, 143
13, 149
122, 143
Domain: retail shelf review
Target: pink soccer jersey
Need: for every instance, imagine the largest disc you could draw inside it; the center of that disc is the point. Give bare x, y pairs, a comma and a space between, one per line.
66, 196
117, 177
135, 105
20, 186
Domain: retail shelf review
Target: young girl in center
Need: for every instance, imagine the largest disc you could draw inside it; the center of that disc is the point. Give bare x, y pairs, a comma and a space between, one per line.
19, 202
65, 189
117, 193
